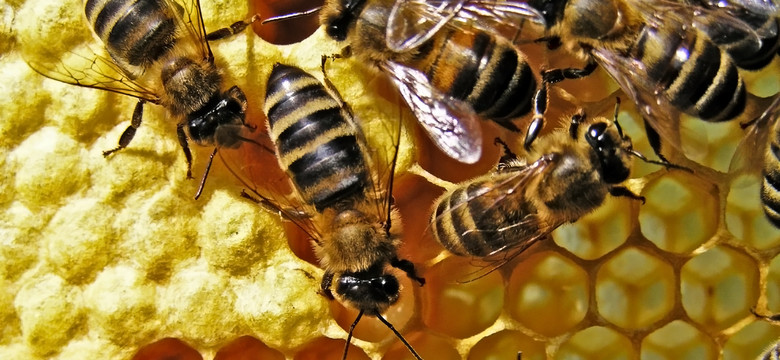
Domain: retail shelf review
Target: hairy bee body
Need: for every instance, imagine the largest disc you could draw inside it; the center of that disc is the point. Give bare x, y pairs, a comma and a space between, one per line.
485, 71
770, 187
450, 80
762, 17
158, 52
655, 53
506, 212
317, 143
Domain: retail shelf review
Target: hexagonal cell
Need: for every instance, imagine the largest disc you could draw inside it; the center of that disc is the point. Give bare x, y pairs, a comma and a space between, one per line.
680, 214
678, 340
325, 348
548, 293
745, 215
369, 328
506, 344
698, 138
247, 347
167, 348
750, 341
596, 343
428, 346
599, 232
719, 287
453, 289
634, 289
773, 286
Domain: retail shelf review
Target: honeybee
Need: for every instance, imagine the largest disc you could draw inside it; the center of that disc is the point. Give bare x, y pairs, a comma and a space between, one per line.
771, 353
497, 216
761, 16
158, 51
661, 53
770, 186
451, 66
339, 198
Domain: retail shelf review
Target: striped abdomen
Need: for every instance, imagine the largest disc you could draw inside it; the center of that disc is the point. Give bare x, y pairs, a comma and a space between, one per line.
316, 143
135, 32
740, 45
473, 221
770, 188
486, 71
696, 75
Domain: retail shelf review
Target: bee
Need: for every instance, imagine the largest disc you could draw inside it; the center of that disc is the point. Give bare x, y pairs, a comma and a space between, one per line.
338, 197
497, 216
668, 57
452, 67
760, 15
770, 186
158, 51
771, 353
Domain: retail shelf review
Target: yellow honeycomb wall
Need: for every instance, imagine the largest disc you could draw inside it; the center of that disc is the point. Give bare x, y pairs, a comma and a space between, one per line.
101, 257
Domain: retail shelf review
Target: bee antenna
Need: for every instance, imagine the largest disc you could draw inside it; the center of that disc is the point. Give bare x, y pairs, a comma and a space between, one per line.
205, 174
615, 117
397, 334
663, 163
349, 335
291, 15
392, 173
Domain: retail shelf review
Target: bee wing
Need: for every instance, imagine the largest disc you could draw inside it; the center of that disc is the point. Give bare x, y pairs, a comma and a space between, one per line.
503, 196
88, 69
753, 12
450, 123
192, 21
256, 167
412, 22
718, 22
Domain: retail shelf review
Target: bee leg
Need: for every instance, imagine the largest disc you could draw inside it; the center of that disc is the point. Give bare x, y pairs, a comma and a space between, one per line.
557, 75
185, 147
553, 42
537, 122
655, 140
576, 120
233, 29
772, 317
327, 280
509, 161
623, 191
407, 267
129, 133
206, 174
329, 84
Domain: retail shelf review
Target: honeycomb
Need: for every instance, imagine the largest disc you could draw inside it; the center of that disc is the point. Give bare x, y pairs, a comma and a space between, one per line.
113, 259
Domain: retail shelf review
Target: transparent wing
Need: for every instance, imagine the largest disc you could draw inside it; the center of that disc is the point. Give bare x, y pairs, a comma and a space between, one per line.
256, 167
756, 13
450, 123
192, 21
505, 194
719, 22
412, 22
653, 106
84, 67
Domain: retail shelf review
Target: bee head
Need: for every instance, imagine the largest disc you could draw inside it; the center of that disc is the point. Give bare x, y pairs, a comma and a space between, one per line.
610, 146
220, 120
551, 10
339, 17
372, 290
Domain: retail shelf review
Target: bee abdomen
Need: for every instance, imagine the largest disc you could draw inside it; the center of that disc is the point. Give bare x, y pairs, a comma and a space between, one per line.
698, 77
468, 221
316, 143
485, 71
137, 32
770, 189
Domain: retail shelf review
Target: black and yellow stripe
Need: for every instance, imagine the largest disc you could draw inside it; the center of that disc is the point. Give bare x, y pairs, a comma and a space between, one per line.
317, 144
485, 71
770, 188
696, 75
477, 219
137, 32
